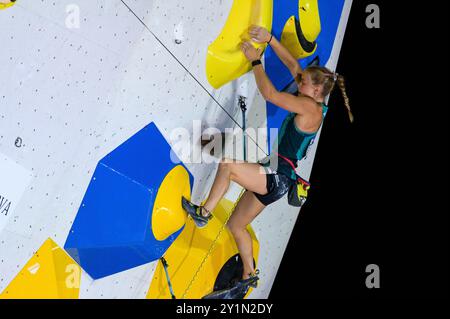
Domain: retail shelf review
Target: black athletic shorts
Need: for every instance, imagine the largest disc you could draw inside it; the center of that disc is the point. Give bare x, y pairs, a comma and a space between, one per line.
277, 186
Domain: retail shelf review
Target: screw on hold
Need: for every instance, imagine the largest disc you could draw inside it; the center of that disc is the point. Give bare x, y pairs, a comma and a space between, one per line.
18, 142
178, 41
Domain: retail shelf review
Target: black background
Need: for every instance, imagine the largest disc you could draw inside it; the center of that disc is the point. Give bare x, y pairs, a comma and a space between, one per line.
380, 185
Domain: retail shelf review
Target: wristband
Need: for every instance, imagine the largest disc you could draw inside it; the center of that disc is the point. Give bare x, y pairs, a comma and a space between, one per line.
271, 36
256, 62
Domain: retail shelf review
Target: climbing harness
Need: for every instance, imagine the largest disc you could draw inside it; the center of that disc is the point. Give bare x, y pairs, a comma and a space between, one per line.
298, 191
212, 246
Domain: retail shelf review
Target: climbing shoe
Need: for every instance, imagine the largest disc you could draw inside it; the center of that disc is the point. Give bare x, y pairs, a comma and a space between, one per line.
195, 212
253, 279
237, 290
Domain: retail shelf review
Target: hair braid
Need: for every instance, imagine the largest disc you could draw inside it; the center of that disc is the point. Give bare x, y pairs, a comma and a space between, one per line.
341, 83
327, 79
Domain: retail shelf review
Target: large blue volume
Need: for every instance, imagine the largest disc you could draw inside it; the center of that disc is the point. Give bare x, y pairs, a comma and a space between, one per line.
112, 231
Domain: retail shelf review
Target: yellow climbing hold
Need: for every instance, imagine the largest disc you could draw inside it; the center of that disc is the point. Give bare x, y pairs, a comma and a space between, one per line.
225, 61
168, 214
186, 253
5, 5
309, 19
49, 274
299, 34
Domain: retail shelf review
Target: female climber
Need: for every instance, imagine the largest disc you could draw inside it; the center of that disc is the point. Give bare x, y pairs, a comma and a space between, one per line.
306, 113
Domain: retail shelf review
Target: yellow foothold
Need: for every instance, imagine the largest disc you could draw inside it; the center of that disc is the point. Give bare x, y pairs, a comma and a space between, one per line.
168, 214
225, 61
49, 274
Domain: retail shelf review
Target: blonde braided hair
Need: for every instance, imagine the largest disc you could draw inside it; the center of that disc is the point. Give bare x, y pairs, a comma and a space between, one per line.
324, 77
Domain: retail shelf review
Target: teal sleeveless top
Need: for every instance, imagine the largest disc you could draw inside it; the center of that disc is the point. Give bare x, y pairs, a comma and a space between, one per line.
293, 144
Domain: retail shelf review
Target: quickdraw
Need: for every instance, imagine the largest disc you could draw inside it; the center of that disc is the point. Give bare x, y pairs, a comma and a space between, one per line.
165, 265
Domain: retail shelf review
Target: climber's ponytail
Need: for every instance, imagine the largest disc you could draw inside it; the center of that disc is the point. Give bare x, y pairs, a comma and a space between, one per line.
341, 83
323, 76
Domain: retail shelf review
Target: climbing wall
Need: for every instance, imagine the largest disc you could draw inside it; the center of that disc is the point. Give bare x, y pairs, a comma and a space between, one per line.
80, 80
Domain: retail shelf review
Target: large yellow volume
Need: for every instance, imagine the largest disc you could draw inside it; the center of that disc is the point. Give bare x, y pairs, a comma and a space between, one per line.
185, 256
49, 274
299, 35
225, 61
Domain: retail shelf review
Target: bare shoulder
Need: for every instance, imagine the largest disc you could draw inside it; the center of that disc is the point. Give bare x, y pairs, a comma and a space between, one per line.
308, 103
310, 119
296, 104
